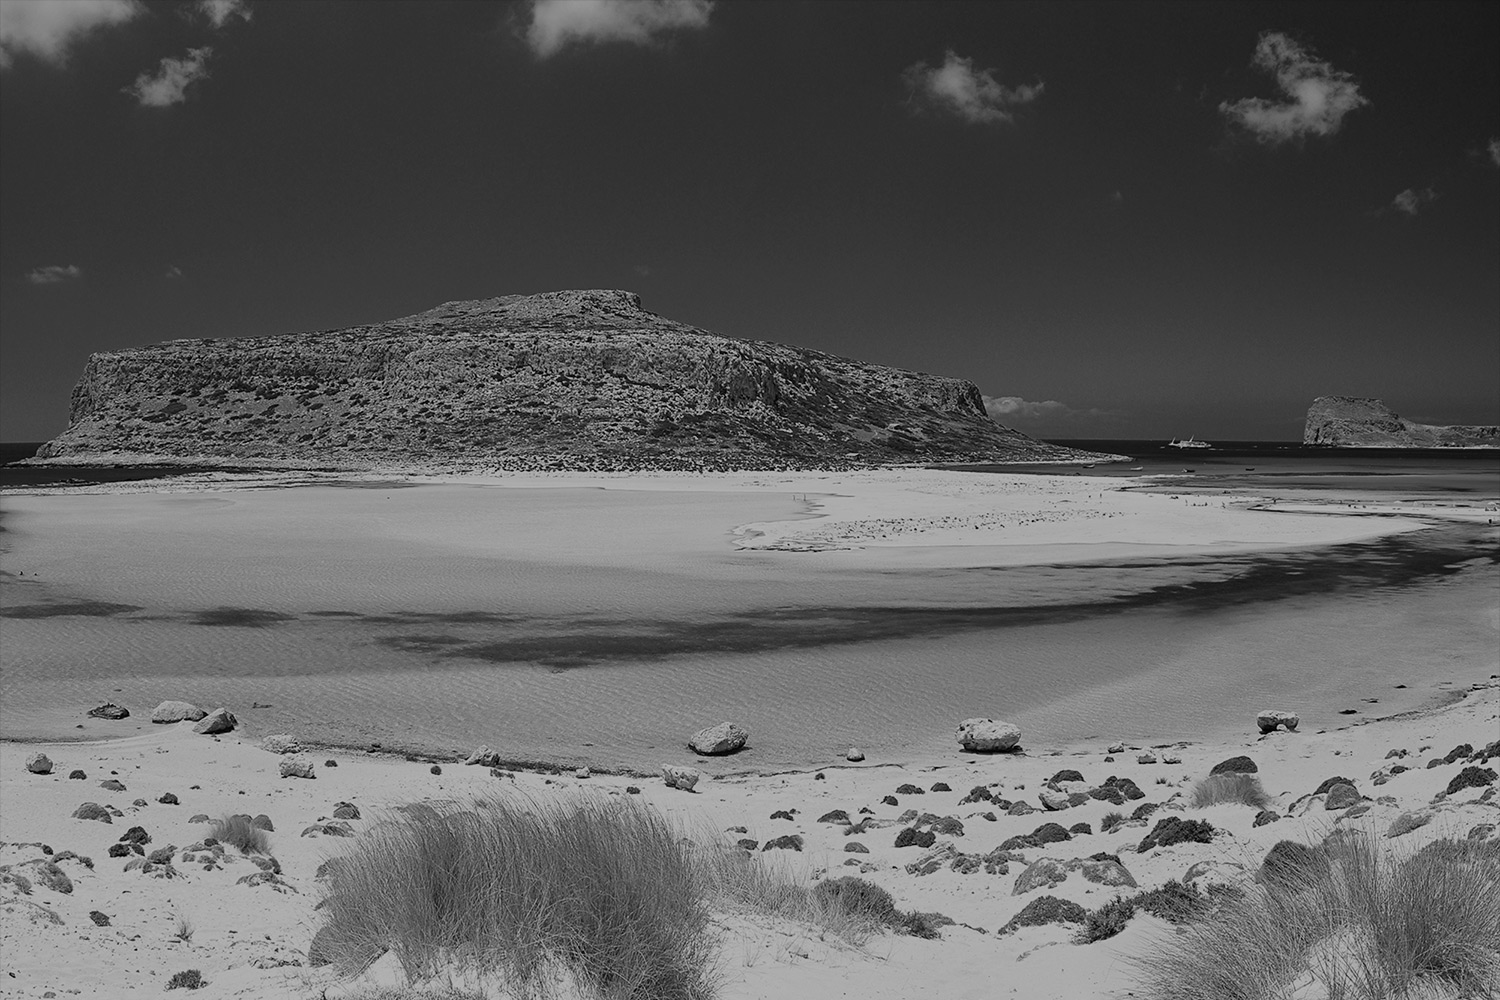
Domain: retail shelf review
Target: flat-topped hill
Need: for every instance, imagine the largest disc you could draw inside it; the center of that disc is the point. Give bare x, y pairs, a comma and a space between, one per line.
567, 380
1354, 422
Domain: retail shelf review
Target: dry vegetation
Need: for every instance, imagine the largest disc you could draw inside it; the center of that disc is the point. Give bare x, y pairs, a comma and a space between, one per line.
240, 831
1369, 924
1244, 789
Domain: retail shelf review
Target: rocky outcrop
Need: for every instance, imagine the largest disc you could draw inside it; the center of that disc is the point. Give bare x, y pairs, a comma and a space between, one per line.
571, 379
1353, 422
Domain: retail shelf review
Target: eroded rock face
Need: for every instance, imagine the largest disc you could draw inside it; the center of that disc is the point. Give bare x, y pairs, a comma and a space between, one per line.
1353, 422
569, 379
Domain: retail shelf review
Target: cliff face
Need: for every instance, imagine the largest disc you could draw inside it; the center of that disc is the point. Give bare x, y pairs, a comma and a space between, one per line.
574, 379
1351, 422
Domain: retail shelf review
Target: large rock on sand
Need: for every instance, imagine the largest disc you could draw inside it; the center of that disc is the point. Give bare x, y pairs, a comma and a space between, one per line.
715, 741
297, 766
176, 711
220, 720
987, 735
109, 710
1270, 718
39, 763
680, 777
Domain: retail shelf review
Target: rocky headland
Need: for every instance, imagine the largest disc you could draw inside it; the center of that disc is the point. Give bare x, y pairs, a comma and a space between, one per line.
1354, 422
560, 380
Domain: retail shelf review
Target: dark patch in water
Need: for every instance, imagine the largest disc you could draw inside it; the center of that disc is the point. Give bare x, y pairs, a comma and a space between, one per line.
421, 643
241, 617
82, 609
333, 614
440, 618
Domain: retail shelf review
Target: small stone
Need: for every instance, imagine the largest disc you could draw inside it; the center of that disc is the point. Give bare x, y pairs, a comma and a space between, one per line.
435, 769
112, 785
77, 775
168, 799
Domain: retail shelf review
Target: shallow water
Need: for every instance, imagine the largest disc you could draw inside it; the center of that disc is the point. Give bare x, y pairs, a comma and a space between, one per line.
603, 626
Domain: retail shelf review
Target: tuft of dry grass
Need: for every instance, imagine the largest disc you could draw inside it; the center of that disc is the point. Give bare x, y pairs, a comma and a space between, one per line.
605, 892
1369, 925
1244, 789
240, 831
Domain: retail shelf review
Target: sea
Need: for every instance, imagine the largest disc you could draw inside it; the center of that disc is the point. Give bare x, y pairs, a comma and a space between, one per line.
545, 634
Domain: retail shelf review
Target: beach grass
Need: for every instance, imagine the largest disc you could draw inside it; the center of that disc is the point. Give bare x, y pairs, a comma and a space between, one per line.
1372, 923
1244, 789
241, 832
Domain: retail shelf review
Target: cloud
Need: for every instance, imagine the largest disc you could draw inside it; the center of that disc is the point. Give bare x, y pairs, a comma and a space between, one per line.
53, 274
173, 271
219, 12
957, 88
45, 28
555, 24
1494, 151
1411, 202
169, 85
1014, 409
1317, 95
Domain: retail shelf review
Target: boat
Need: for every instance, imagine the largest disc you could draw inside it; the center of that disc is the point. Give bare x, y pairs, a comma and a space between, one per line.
1190, 442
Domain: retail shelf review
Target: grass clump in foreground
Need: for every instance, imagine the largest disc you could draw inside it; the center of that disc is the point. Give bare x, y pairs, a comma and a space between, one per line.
1244, 789
240, 831
604, 893
1369, 923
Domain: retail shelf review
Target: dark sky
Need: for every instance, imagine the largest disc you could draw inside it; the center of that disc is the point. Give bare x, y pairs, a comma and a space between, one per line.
1110, 217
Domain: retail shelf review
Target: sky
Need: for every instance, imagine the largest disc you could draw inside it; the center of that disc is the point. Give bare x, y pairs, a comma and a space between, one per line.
1119, 220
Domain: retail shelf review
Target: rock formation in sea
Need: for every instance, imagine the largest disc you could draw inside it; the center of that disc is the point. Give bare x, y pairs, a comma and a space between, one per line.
1352, 422
569, 379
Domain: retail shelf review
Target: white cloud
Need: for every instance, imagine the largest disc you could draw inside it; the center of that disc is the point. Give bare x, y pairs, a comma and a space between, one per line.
169, 85
1317, 95
1015, 410
219, 12
1494, 151
45, 28
173, 271
53, 274
555, 24
1411, 202
957, 88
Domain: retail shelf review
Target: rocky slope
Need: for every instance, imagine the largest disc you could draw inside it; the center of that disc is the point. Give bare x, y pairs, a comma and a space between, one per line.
1352, 422
570, 379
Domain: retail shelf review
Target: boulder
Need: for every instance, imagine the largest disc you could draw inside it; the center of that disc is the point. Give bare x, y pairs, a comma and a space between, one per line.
483, 756
297, 767
109, 710
1146, 758
1271, 718
176, 711
346, 810
680, 777
1341, 796
1043, 873
92, 810
1105, 872
1234, 765
220, 720
987, 735
1054, 800
39, 763
855, 754
281, 743
1266, 816
725, 738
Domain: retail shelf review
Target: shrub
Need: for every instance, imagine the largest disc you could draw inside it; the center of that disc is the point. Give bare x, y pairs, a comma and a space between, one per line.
1046, 910
1110, 821
1107, 921
1471, 777
1066, 774
857, 896
1366, 923
1229, 786
605, 890
788, 842
834, 816
1176, 830
190, 979
909, 789
1049, 833
911, 836
240, 831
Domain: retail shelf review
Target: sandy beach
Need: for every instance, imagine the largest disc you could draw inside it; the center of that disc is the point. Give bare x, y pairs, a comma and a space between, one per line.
564, 620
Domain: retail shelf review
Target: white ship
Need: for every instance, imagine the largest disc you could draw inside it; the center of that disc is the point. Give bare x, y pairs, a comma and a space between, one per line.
1189, 443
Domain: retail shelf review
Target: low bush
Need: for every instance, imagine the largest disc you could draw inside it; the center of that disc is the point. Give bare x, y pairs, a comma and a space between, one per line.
240, 831
1176, 830
188, 979
1172, 902
1110, 821
1366, 922
1471, 777
1046, 910
1229, 786
1107, 921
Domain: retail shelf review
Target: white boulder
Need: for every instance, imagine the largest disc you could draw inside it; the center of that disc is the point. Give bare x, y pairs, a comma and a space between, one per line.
39, 763
1271, 718
176, 711
680, 777
715, 741
987, 735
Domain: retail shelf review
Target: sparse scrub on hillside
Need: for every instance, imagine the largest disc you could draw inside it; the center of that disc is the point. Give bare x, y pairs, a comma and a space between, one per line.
1370, 923
1244, 789
240, 831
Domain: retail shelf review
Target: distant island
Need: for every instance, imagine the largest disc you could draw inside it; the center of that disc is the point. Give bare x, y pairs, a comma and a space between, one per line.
1354, 422
561, 380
